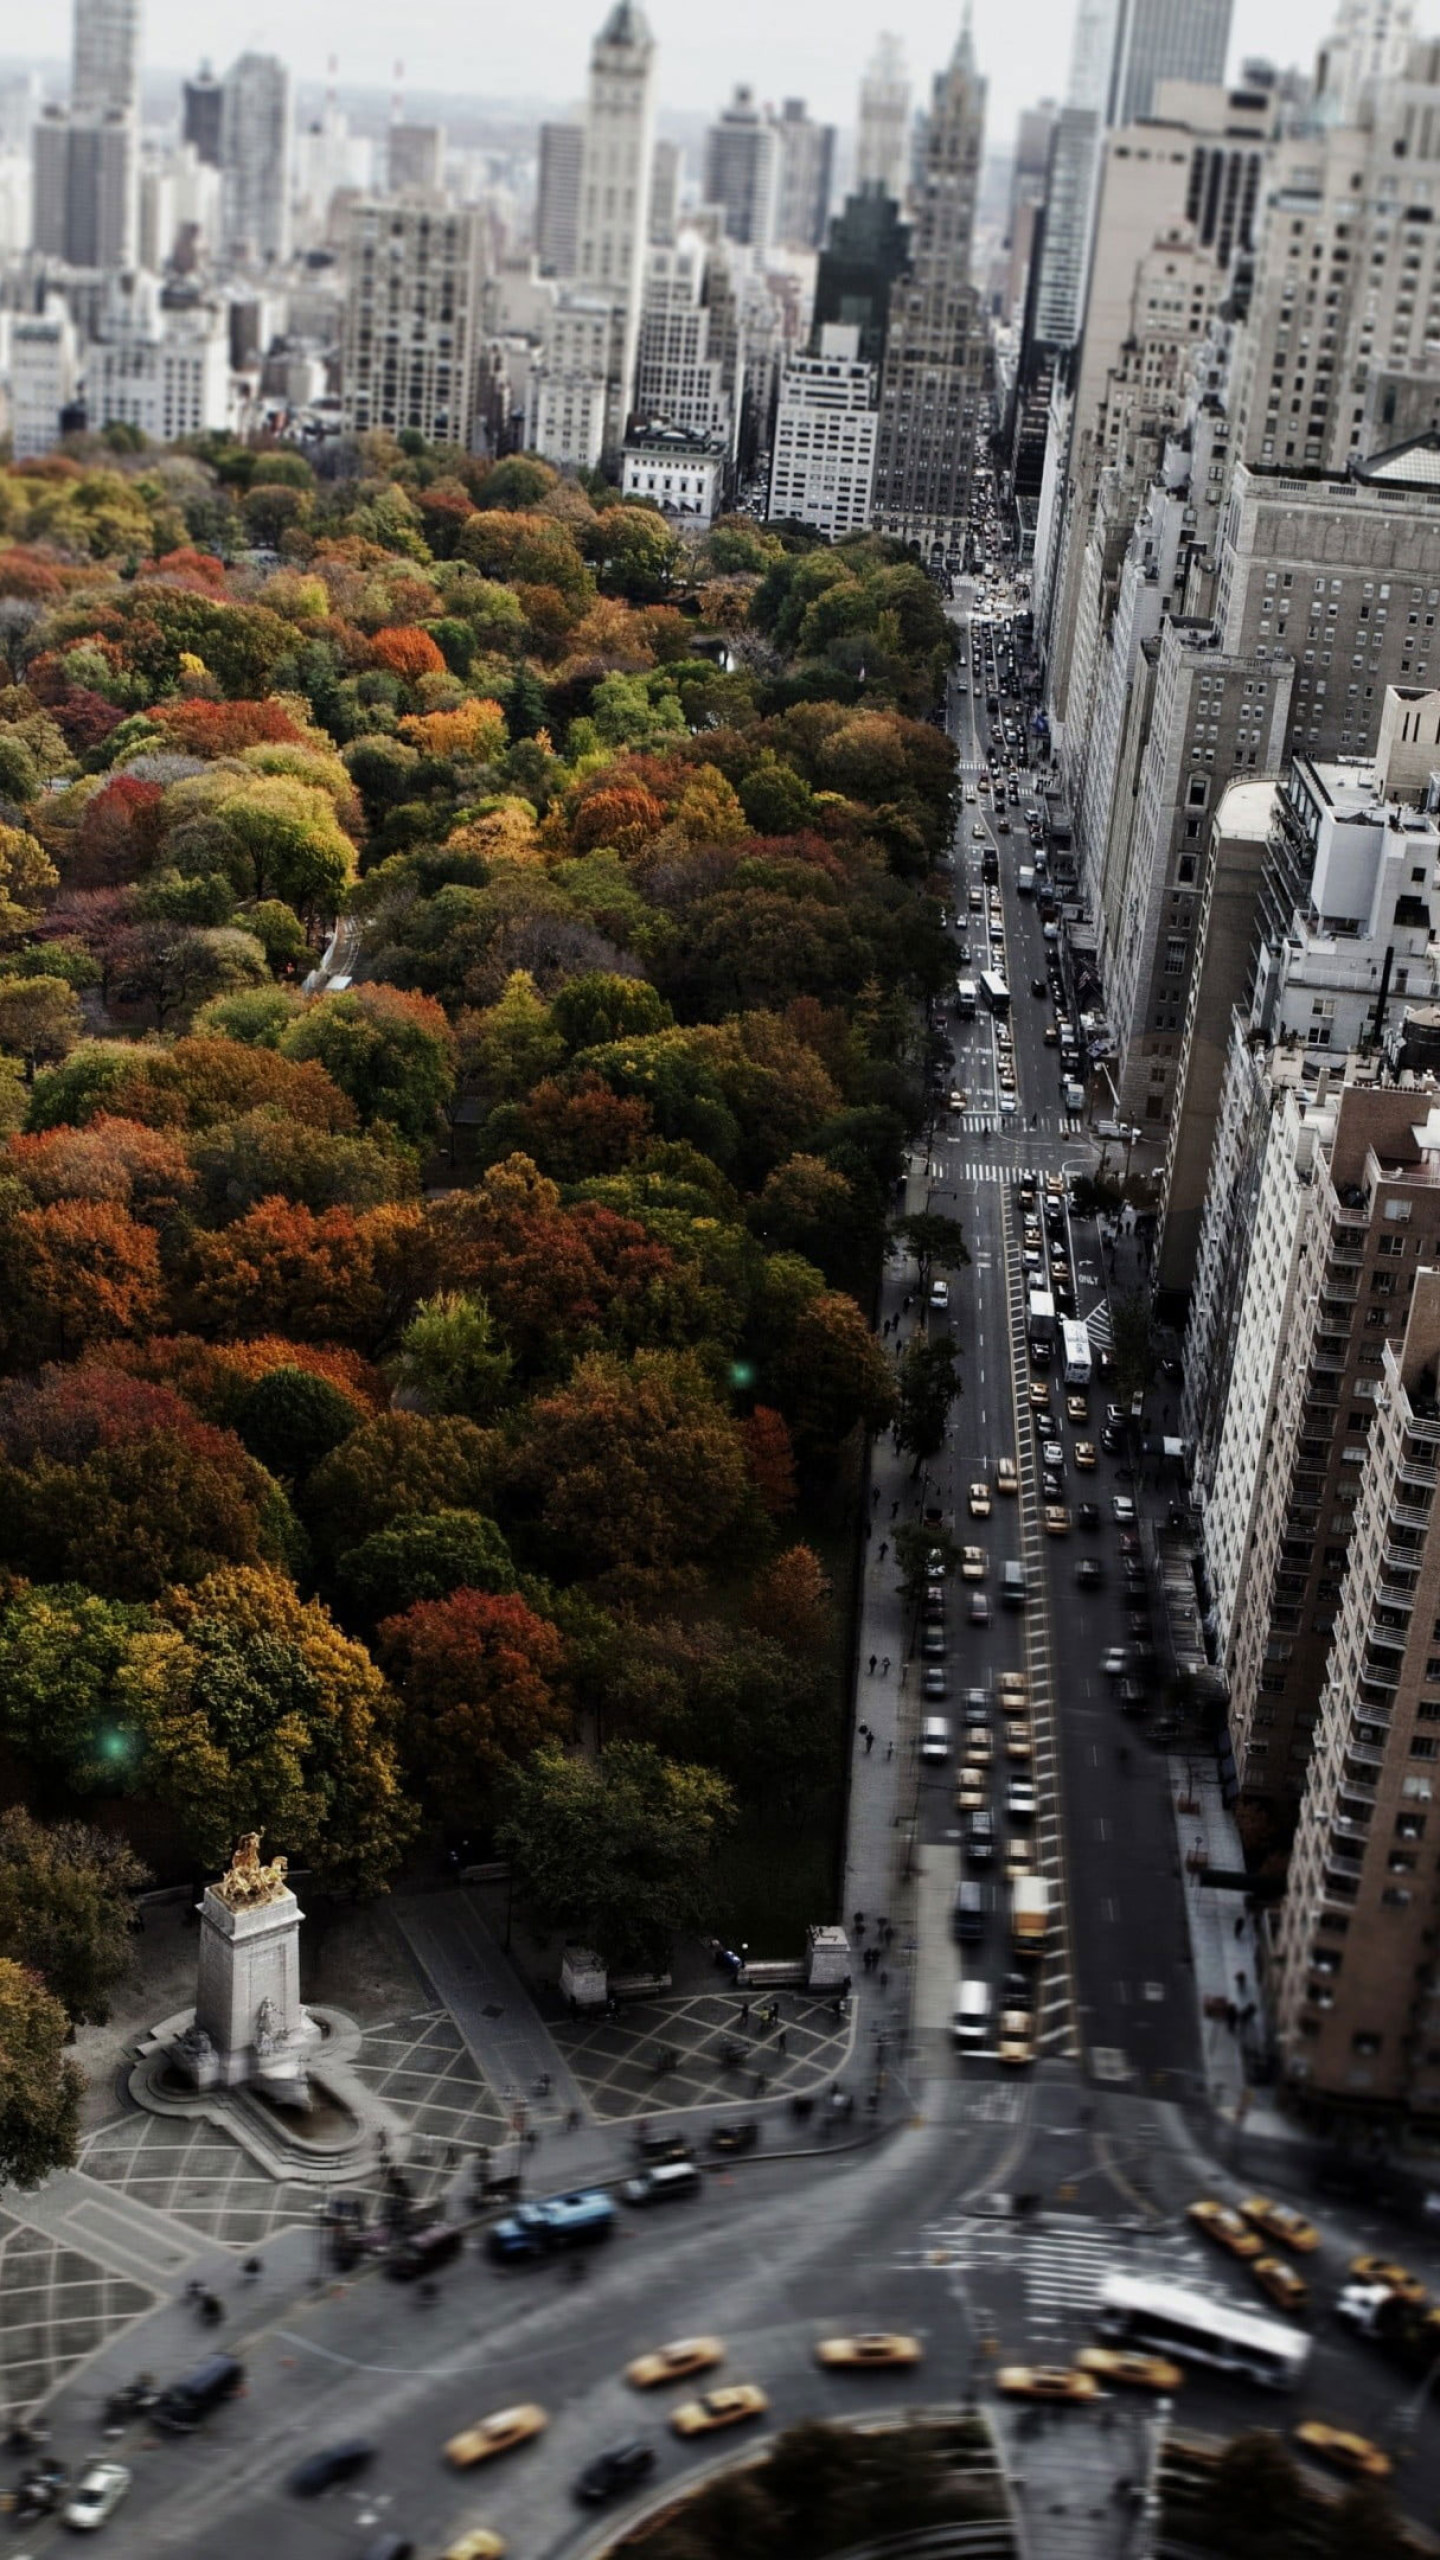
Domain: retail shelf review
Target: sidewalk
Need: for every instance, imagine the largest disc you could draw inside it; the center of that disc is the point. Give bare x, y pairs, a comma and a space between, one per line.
1224, 1946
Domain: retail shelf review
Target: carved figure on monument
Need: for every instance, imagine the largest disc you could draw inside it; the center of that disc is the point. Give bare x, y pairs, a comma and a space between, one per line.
249, 1881
268, 2030
195, 2049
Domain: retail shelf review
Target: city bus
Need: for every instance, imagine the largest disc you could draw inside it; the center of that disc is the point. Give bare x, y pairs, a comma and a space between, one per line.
1075, 1350
994, 991
1202, 2330
965, 998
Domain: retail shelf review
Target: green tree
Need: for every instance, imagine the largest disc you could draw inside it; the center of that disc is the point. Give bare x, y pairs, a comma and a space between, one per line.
1254, 2495
27, 875
929, 1384
290, 1420
425, 1555
932, 1238
273, 836
924, 1552
394, 1464
392, 1053
40, 2090
67, 1906
41, 1020
451, 1359
615, 1851
79, 1677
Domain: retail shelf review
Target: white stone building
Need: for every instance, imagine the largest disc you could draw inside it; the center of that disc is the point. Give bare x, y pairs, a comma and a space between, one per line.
822, 466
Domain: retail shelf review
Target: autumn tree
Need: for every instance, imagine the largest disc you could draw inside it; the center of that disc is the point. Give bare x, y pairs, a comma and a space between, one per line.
145, 1171
79, 1678
632, 1462
478, 1676
73, 1273
286, 1269
393, 1054
271, 835
790, 1600
40, 2088
290, 1419
67, 1908
770, 1459
829, 1375
615, 1851
398, 1463
929, 1384
27, 875
41, 1019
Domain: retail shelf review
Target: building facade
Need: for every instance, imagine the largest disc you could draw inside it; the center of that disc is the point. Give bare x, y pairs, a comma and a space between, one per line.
823, 459
882, 139
409, 332
255, 159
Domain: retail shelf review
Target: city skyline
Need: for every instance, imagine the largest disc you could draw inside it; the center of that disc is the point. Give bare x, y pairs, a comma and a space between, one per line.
807, 54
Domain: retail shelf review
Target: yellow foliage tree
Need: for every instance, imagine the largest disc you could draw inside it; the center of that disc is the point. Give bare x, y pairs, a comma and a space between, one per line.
475, 730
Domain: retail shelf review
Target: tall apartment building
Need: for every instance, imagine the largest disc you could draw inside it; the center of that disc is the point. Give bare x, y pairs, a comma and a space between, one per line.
681, 374
85, 175
255, 159
1354, 1979
157, 363
805, 153
882, 140
574, 412
202, 102
411, 319
823, 458
557, 204
742, 169
934, 374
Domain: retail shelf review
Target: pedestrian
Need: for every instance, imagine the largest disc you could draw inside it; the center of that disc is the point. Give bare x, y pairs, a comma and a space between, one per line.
744, 2013
759, 2083
889, 1750
884, 1979
1240, 1926
885, 1666
859, 1924
895, 1508
873, 1659
884, 1549
869, 1747
784, 2046
904, 1673
251, 2269
874, 1496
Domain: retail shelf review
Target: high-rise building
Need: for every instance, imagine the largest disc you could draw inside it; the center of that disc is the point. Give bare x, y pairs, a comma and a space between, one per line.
614, 226
411, 321
742, 157
255, 159
933, 382
666, 161
557, 207
1356, 1992
823, 458
202, 106
680, 375
1366, 47
105, 66
415, 159
882, 141
1159, 40
868, 249
43, 370
85, 188
806, 157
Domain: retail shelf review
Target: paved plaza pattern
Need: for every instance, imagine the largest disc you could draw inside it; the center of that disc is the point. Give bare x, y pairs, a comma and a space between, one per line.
616, 2061
56, 2307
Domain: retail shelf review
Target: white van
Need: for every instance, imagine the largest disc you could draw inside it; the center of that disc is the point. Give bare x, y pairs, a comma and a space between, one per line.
935, 1738
974, 2006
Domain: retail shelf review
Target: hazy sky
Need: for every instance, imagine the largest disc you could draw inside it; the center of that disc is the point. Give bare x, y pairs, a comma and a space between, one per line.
814, 49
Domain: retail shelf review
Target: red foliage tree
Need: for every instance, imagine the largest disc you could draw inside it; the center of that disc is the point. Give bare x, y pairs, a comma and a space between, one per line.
284, 1269
408, 652
200, 1082
576, 1131
476, 1674
621, 814
200, 728
73, 1273
555, 1279
27, 575
215, 1377
770, 1459
118, 835
199, 570
144, 1170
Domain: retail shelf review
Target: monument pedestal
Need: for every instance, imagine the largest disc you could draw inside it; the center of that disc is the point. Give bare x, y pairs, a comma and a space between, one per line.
247, 1997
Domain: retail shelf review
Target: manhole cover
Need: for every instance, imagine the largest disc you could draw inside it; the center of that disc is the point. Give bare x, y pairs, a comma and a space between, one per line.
1107, 2062
492, 2009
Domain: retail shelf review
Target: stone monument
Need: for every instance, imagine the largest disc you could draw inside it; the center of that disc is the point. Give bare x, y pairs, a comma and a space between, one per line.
250, 2026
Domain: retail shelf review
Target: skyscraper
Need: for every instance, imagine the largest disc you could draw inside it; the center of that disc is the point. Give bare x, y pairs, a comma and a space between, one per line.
1159, 40
741, 169
557, 208
802, 190
935, 352
105, 66
882, 142
868, 247
255, 158
202, 102
410, 320
579, 394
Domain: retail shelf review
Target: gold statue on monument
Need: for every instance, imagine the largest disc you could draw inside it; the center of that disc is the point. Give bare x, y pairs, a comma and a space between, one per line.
249, 1881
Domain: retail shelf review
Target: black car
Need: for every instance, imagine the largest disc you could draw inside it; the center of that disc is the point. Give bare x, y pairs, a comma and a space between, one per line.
658, 2147
321, 2471
1087, 1515
611, 2472
1089, 1573
1109, 1440
735, 2137
1038, 987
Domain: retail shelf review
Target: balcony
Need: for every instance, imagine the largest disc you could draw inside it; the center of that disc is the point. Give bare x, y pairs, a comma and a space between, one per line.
1342, 1829
1365, 1755
1376, 1673
1424, 1477
1389, 1639
1389, 1595
1402, 1560
1361, 1791
1336, 1296
1423, 1426
1351, 1256
1409, 1515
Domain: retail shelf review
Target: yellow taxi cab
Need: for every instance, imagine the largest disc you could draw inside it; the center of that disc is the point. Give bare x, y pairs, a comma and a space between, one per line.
1057, 1520
1006, 1478
1281, 2222
1084, 1453
1397, 2280
1076, 1409
979, 1502
1013, 1691
1347, 2452
1125, 2364
1281, 2283
1220, 2222
1046, 2382
479, 2544
972, 1790
497, 2434
1039, 1392
1019, 1742
1017, 2037
878, 2347
979, 1746
1019, 1857
674, 2362
974, 1564
730, 2406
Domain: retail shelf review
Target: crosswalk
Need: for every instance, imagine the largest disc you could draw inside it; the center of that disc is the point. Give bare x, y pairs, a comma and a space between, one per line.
1062, 2261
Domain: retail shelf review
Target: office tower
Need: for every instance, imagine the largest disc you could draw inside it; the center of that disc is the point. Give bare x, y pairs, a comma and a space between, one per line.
806, 160
1366, 47
1159, 40
882, 141
415, 159
410, 321
823, 458
1356, 1993
255, 159
84, 204
742, 169
933, 380
105, 64
202, 103
679, 370
557, 208
665, 164
614, 226
868, 248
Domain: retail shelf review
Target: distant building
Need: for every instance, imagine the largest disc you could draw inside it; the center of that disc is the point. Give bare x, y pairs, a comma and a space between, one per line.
683, 474
84, 207
43, 371
557, 206
574, 412
868, 248
806, 161
202, 103
255, 159
415, 159
665, 166
158, 367
742, 170
822, 465
411, 318
882, 141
